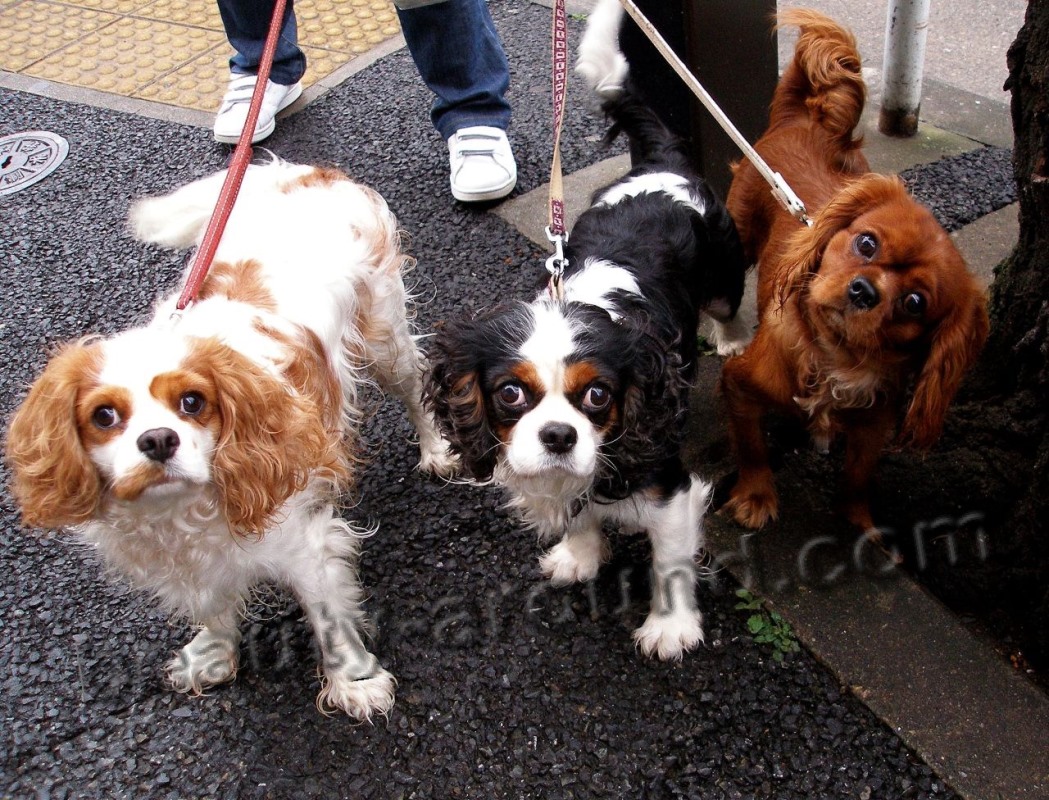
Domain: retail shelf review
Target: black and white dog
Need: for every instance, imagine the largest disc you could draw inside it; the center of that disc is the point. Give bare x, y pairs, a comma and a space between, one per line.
578, 406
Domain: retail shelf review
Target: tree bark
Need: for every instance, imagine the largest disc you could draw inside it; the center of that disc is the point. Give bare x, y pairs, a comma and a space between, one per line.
1010, 384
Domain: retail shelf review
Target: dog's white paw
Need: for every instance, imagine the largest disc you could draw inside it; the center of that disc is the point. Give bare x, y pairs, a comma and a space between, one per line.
436, 458
360, 697
733, 348
668, 636
731, 338
208, 660
574, 559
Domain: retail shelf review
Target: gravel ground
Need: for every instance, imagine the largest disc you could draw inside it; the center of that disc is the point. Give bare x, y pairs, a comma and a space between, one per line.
507, 687
961, 189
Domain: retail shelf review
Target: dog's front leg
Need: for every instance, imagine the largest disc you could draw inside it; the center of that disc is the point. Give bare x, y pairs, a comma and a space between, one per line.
867, 434
210, 658
398, 366
323, 578
674, 623
351, 678
753, 500
579, 554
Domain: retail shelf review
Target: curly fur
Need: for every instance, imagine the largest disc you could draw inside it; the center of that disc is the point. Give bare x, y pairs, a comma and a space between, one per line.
205, 453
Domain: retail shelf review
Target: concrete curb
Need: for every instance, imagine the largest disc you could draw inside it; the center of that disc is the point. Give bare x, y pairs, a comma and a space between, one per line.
980, 725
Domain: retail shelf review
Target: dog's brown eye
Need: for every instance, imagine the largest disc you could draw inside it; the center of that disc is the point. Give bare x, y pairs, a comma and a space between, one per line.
597, 398
865, 245
510, 394
913, 304
191, 403
105, 417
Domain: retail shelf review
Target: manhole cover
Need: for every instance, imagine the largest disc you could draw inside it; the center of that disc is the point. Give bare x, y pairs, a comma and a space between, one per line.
26, 158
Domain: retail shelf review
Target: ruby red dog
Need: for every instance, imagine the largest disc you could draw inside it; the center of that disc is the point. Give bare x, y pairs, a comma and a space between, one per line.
870, 303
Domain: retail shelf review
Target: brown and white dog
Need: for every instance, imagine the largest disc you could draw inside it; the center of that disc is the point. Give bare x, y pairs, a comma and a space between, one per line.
204, 455
871, 301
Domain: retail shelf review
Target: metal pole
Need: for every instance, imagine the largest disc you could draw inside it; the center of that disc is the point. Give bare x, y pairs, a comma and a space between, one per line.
905, 32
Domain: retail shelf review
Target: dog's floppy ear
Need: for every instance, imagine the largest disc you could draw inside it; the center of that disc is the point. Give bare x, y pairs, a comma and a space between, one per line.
273, 439
956, 344
53, 478
804, 250
655, 408
455, 393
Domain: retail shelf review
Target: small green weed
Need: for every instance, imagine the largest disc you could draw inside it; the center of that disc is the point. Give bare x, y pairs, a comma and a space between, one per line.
578, 17
767, 627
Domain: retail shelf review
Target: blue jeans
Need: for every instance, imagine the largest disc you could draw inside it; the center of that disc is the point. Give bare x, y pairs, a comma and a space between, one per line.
453, 43
247, 22
460, 58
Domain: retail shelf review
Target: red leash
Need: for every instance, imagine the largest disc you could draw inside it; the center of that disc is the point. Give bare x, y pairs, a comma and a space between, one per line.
237, 167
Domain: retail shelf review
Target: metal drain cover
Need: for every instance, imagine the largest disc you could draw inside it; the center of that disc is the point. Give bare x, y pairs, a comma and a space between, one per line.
26, 158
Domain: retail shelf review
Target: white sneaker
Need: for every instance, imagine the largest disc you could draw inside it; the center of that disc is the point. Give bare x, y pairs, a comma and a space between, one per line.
483, 166
233, 112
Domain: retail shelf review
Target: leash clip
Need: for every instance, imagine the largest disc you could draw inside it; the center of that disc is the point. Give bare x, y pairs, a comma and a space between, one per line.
791, 202
556, 264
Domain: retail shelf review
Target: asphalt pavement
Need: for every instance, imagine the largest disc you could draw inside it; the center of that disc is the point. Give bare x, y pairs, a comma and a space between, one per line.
507, 688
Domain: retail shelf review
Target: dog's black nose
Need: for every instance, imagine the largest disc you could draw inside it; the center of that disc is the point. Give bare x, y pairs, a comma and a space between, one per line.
558, 437
862, 293
158, 444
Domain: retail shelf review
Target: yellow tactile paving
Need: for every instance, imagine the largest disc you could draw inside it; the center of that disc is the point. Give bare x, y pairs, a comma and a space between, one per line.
32, 30
198, 13
121, 7
169, 51
125, 56
327, 24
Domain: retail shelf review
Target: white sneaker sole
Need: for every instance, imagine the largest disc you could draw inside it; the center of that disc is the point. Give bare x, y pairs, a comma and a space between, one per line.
265, 130
498, 193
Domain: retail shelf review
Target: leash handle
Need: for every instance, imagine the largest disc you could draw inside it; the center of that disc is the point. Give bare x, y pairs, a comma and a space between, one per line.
555, 231
780, 189
237, 167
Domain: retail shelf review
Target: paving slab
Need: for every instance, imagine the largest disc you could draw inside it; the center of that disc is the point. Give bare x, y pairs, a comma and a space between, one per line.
989, 241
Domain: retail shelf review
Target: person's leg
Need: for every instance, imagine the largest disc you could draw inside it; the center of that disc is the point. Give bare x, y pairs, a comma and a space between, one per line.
461, 60
247, 24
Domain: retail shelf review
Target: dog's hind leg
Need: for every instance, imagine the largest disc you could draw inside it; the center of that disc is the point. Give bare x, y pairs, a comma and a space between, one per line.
730, 335
600, 63
394, 360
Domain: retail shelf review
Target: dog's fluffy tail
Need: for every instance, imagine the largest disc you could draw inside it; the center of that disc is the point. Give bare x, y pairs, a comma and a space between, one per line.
824, 81
599, 61
178, 220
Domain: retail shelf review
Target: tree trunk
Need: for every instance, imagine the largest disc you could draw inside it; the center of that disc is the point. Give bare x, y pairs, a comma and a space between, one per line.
1021, 290
1010, 384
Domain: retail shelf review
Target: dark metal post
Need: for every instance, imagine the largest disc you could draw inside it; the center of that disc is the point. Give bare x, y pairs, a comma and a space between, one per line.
730, 47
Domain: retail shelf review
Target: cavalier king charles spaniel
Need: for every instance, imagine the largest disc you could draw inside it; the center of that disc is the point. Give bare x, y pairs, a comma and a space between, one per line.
871, 303
205, 452
577, 405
